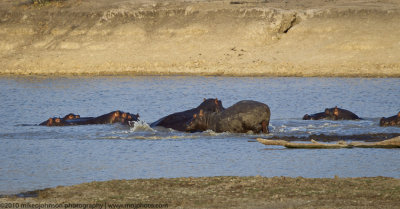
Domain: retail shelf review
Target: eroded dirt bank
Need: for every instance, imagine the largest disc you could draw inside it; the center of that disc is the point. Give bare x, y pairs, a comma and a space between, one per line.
228, 192
240, 38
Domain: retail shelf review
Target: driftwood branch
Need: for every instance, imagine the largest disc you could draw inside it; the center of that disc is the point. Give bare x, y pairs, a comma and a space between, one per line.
390, 143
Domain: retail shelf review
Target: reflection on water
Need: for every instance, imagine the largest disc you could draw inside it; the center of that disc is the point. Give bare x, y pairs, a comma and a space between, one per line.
35, 157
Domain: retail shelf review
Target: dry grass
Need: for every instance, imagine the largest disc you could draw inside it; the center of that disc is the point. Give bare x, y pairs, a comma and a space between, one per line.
232, 192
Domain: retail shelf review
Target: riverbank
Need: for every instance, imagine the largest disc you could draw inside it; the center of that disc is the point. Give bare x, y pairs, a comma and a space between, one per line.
228, 192
224, 38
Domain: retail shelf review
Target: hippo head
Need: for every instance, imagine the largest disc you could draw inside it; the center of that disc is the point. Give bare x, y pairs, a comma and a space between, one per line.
115, 116
50, 122
387, 122
383, 122
197, 123
211, 105
127, 117
57, 122
71, 116
306, 117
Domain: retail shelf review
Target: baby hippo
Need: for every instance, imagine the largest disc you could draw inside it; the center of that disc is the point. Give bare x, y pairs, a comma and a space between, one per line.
390, 121
332, 114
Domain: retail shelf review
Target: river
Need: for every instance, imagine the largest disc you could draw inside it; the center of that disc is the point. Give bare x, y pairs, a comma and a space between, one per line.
35, 157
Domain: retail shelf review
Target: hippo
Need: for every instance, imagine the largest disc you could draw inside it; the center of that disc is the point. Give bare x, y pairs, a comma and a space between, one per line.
390, 121
71, 116
57, 121
332, 114
316, 116
112, 117
241, 117
341, 114
179, 120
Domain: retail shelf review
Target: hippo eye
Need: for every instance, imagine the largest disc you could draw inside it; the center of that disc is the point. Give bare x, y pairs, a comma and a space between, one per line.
57, 120
124, 115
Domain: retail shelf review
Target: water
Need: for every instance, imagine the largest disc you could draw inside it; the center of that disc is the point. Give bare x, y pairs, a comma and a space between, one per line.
34, 157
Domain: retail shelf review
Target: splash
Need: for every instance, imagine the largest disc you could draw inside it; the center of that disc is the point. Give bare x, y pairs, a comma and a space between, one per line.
140, 126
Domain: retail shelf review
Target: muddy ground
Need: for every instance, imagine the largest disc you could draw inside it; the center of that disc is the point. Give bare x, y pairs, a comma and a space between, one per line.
228, 192
350, 38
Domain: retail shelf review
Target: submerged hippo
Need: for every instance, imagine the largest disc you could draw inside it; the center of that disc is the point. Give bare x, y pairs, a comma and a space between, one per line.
241, 117
53, 122
179, 120
112, 117
316, 116
390, 121
57, 121
332, 114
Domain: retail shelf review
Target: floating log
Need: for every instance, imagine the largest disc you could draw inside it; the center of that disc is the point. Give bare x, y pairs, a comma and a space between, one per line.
390, 143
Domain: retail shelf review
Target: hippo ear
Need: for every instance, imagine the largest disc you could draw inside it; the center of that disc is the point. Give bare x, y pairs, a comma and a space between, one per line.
201, 113
336, 111
137, 115
204, 99
216, 101
398, 114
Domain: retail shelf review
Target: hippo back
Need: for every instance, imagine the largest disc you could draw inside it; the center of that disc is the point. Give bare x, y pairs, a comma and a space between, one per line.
346, 115
244, 116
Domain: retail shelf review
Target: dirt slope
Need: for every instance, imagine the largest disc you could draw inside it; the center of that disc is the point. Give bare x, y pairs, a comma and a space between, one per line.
240, 38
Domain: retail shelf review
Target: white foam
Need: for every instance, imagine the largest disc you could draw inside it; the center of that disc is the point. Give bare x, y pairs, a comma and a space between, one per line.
137, 126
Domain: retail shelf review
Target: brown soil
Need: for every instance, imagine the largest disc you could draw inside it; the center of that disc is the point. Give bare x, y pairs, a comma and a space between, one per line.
230, 192
350, 38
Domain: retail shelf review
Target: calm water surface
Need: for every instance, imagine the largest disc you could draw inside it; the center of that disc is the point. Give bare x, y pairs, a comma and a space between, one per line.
35, 157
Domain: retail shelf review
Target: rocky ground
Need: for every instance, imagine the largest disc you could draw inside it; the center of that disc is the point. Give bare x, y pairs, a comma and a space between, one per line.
226, 192
352, 38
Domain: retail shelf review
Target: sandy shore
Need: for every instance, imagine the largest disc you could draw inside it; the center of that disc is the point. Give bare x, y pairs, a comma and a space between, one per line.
349, 38
228, 192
